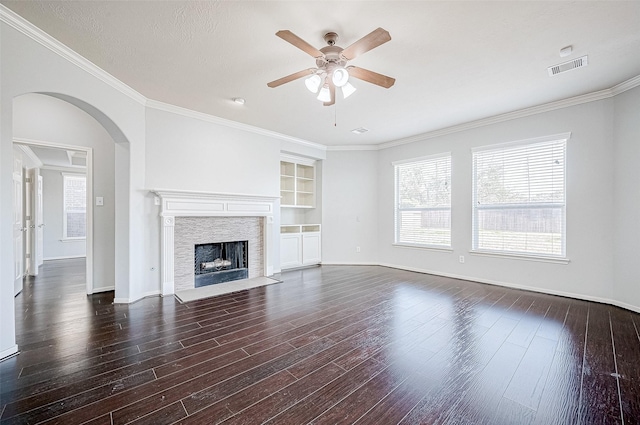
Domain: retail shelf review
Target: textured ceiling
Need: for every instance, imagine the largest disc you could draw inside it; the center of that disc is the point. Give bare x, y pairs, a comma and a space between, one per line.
453, 62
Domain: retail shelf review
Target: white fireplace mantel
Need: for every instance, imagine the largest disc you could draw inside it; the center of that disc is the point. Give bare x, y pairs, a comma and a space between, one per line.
205, 204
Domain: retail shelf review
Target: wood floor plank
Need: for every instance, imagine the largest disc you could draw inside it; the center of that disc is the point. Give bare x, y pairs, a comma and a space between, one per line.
600, 401
330, 344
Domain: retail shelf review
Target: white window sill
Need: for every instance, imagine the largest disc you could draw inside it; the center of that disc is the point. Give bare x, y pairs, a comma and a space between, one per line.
423, 247
66, 240
542, 259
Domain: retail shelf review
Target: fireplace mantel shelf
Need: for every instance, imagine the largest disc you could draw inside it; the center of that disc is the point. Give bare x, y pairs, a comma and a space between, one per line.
200, 204
190, 194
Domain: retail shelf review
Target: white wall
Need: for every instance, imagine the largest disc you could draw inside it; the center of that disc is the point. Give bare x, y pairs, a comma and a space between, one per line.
603, 232
53, 216
185, 153
29, 67
627, 197
350, 207
590, 215
47, 119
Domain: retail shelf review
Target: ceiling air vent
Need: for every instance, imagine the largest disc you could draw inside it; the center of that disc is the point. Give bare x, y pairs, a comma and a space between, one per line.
568, 66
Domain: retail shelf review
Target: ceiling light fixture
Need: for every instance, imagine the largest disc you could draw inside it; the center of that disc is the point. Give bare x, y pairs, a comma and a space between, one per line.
332, 69
347, 90
340, 77
239, 100
325, 94
313, 83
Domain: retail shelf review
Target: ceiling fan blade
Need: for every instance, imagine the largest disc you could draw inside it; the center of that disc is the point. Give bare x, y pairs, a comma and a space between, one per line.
294, 76
287, 35
370, 41
371, 77
332, 93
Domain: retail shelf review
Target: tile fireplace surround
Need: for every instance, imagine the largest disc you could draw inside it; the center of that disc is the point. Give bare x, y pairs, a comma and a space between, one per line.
177, 204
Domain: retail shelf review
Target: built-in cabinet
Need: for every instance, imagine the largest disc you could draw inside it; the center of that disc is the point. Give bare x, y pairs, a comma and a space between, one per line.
300, 245
300, 237
297, 183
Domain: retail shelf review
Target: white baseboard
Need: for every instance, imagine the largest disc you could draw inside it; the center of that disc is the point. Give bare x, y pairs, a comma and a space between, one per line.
4, 354
497, 283
68, 257
517, 286
348, 263
103, 289
133, 300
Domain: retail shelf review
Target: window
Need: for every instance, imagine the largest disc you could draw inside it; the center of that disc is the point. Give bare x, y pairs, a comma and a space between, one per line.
519, 198
75, 206
423, 201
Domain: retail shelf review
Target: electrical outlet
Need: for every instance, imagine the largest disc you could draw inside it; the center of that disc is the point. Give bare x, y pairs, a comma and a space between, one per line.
462, 259
357, 249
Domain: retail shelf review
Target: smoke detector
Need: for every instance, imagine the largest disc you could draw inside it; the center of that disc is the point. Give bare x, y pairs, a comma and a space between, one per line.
568, 66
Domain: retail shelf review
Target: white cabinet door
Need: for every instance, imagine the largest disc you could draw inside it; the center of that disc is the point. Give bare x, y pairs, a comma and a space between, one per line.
311, 248
290, 250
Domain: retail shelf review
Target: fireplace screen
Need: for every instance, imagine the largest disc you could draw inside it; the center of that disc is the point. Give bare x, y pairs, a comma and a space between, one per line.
220, 262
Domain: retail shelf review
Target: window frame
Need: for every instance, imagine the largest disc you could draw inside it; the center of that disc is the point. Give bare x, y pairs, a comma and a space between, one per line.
65, 236
535, 256
397, 208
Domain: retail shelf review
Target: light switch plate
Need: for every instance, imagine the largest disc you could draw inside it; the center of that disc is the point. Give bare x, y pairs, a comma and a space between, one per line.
99, 201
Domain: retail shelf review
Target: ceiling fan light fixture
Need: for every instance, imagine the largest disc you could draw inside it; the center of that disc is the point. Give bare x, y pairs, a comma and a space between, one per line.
340, 77
324, 95
347, 90
313, 83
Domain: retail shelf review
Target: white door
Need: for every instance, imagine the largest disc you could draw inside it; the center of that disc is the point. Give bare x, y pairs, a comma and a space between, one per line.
39, 223
33, 220
29, 223
18, 227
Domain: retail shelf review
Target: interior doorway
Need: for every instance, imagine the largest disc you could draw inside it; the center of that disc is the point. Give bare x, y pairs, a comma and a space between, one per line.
69, 233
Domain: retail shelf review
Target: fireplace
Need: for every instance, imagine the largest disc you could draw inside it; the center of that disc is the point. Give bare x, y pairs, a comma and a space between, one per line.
220, 262
197, 218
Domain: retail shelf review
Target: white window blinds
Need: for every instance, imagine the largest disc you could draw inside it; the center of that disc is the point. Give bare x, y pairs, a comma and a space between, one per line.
423, 202
75, 206
519, 199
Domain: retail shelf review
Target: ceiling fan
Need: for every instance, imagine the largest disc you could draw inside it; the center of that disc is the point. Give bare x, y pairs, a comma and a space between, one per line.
331, 65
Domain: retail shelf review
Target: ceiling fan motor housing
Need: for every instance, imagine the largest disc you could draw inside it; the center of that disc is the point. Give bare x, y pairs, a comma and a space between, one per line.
331, 38
331, 58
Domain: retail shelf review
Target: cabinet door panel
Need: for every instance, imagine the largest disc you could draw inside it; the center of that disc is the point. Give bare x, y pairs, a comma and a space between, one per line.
311, 248
290, 251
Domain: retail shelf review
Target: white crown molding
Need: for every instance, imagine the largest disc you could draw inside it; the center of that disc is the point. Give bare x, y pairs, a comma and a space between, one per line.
547, 107
626, 85
167, 107
27, 28
534, 110
32, 156
353, 148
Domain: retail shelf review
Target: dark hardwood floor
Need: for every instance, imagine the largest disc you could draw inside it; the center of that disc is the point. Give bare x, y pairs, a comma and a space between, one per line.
329, 345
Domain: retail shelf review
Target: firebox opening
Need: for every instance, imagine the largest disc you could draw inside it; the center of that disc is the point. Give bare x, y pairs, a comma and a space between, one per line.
220, 262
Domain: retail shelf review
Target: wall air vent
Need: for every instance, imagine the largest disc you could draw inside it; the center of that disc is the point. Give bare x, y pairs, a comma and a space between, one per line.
568, 66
